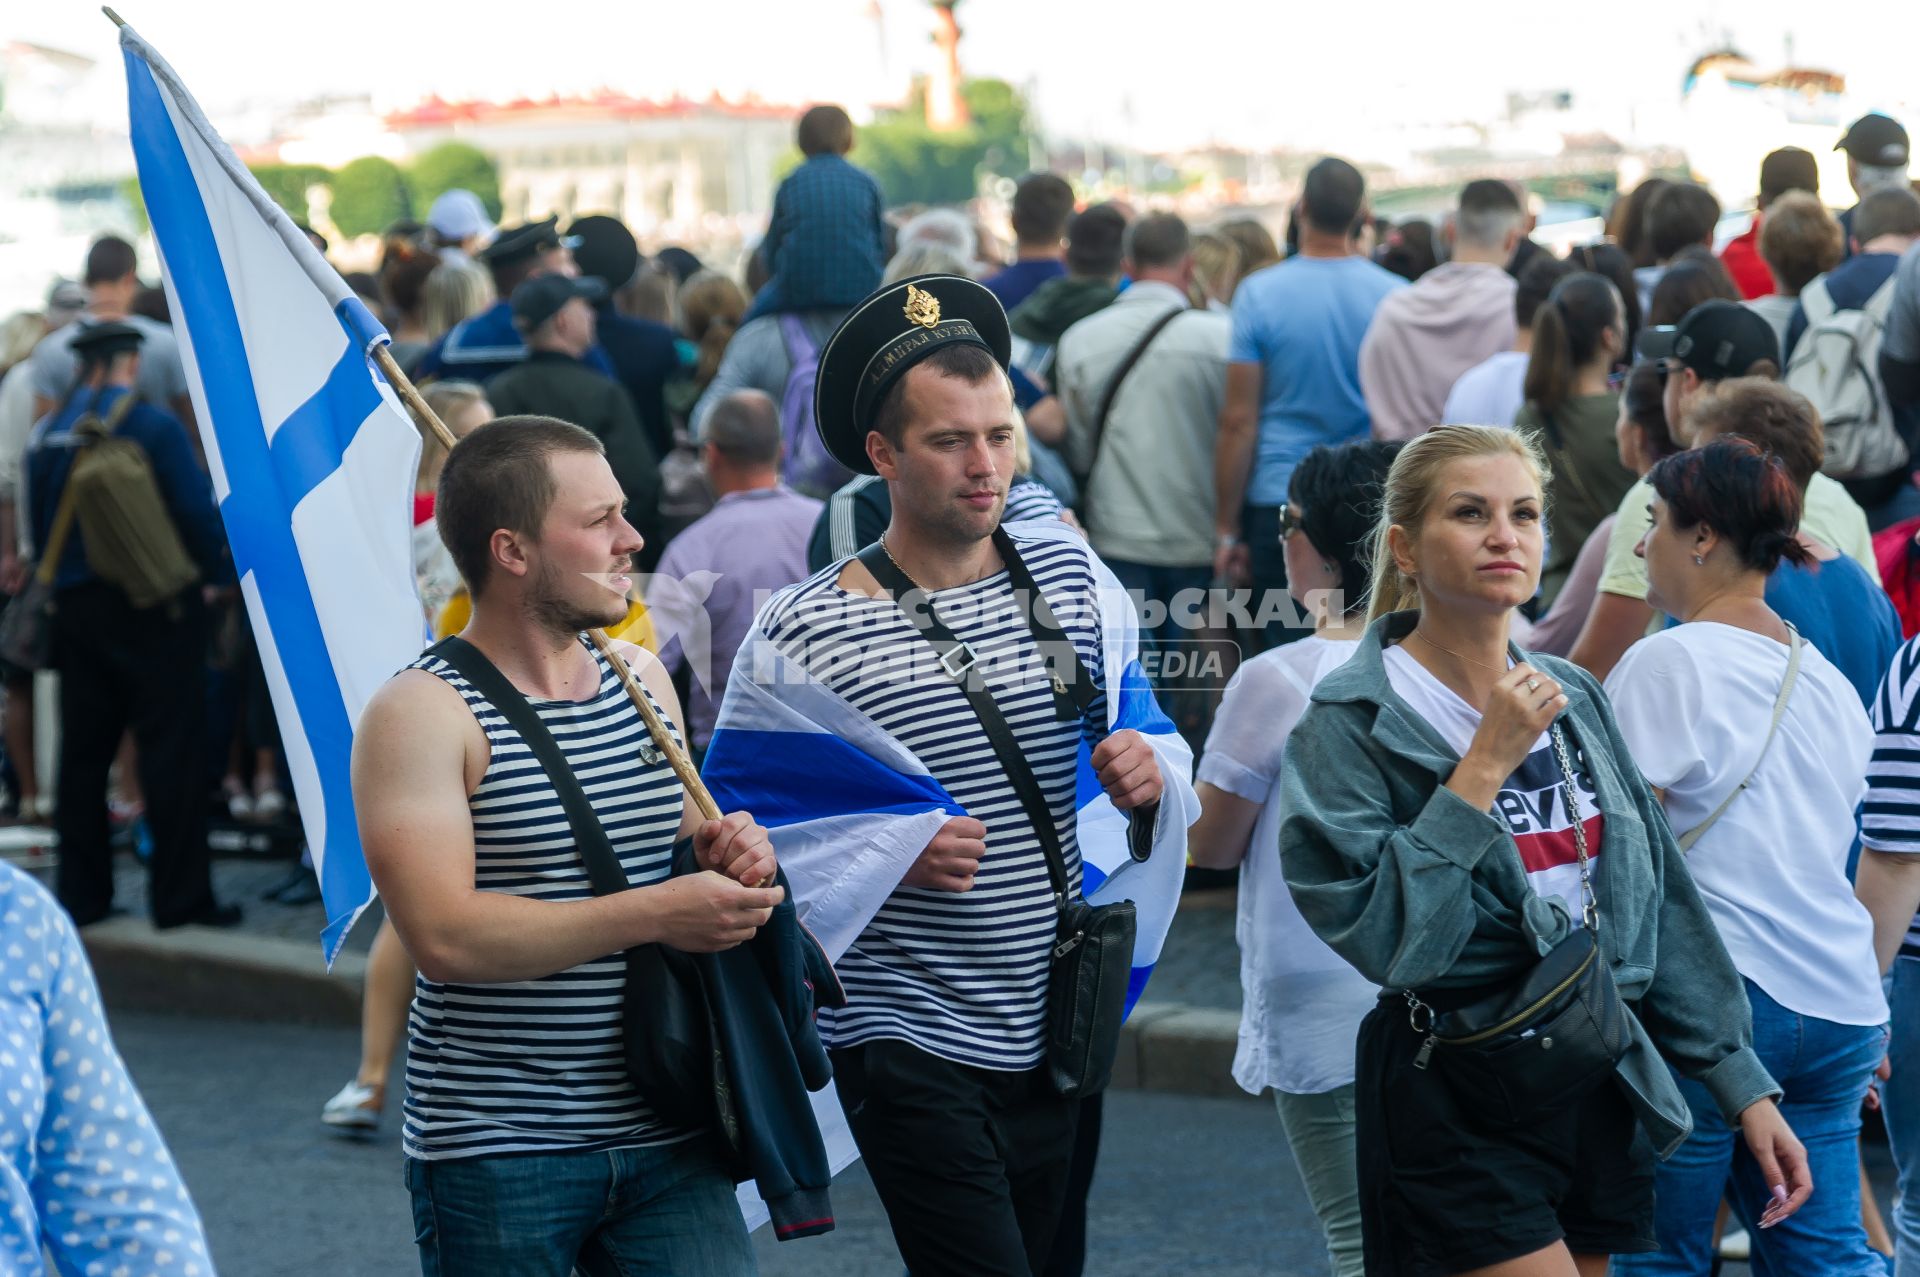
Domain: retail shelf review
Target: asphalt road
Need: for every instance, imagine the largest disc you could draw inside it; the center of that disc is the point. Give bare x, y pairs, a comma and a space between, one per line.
1185, 1186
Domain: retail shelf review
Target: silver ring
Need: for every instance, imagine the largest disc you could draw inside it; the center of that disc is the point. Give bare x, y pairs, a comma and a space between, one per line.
1533, 685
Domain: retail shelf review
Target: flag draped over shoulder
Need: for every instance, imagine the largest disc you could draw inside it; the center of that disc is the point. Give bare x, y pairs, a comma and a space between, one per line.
311, 453
850, 807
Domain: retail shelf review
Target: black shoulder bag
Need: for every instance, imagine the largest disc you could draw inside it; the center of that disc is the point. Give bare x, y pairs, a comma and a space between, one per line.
1516, 1056
667, 1028
1093, 952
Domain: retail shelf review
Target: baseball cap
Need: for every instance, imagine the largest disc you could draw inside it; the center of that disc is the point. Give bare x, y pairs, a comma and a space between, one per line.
1876, 139
1717, 339
459, 215
540, 298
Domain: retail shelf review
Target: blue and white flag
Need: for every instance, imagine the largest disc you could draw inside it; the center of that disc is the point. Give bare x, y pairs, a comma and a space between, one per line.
851, 808
312, 455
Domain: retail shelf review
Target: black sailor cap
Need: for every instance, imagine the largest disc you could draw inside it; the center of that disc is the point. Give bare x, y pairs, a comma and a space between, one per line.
885, 335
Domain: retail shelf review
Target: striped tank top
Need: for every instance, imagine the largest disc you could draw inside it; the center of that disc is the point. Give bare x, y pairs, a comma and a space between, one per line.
536, 1065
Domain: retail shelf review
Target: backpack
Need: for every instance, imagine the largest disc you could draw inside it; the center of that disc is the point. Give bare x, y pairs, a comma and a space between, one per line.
1837, 367
805, 464
130, 537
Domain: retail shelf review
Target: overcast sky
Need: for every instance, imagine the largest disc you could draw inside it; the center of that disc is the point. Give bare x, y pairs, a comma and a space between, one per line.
1154, 73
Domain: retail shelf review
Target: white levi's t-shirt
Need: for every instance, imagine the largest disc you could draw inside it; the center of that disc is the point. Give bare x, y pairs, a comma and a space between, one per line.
1531, 802
1694, 702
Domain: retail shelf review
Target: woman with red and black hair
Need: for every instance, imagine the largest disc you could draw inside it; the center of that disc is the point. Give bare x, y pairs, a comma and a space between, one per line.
1758, 746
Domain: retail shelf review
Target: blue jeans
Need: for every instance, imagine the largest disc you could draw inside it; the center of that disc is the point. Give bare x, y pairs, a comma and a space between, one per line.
1824, 1068
668, 1209
1901, 1094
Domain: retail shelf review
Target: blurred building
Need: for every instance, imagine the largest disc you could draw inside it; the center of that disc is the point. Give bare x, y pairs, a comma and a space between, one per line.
63, 133
675, 169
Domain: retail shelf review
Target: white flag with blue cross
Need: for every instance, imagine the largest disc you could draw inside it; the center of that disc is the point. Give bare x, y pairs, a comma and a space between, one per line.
312, 455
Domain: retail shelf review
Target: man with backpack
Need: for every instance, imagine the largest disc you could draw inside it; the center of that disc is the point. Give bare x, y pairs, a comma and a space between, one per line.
129, 538
1833, 346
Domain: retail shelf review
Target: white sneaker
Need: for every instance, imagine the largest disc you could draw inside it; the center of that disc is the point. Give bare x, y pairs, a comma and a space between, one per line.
1735, 1244
269, 805
355, 1108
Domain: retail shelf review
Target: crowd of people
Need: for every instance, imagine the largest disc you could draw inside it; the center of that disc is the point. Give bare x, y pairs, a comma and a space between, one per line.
1587, 588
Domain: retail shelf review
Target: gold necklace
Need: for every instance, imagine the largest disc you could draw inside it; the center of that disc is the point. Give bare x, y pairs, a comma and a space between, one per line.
896, 563
1498, 669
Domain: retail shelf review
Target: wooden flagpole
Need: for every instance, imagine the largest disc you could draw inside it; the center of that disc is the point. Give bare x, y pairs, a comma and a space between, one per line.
662, 739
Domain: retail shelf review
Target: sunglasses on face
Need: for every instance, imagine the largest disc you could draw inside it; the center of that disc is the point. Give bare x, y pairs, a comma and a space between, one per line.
1290, 521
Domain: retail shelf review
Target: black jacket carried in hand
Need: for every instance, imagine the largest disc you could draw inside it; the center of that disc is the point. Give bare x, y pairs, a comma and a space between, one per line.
762, 996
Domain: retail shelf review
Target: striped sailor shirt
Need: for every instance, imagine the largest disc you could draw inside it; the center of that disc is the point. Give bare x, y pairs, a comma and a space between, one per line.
1890, 816
960, 975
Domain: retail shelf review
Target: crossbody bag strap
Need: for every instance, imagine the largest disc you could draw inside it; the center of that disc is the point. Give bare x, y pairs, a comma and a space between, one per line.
957, 661
1112, 391
1072, 681
603, 866
1795, 642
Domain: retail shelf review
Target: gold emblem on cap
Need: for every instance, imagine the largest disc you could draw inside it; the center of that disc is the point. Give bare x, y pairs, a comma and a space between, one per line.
922, 308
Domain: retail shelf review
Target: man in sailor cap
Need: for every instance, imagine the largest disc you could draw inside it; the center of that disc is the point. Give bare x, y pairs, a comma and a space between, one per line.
944, 924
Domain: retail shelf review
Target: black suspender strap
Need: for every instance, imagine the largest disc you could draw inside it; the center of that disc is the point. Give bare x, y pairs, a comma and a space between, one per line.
1074, 693
604, 871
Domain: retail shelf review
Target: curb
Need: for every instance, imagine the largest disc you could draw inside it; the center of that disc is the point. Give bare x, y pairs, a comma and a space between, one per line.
200, 971
204, 971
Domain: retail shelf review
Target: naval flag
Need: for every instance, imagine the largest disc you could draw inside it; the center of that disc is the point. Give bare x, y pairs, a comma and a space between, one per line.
311, 453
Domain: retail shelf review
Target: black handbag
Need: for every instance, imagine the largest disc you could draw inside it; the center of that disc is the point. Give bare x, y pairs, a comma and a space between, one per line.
1518, 1055
1092, 956
668, 1034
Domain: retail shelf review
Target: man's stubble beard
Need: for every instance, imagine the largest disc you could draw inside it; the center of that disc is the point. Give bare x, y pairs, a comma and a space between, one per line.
942, 521
548, 607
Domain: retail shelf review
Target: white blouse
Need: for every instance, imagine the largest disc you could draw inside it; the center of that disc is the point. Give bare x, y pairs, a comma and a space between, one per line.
1302, 1003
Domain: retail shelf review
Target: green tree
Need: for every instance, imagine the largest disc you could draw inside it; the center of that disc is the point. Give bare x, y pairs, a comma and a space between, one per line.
999, 124
287, 185
369, 195
450, 166
915, 165
130, 192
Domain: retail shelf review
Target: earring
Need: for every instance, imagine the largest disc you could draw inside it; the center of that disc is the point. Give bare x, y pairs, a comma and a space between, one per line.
1699, 562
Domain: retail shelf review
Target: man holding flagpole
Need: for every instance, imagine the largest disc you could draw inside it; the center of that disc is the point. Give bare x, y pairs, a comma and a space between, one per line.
942, 807
519, 794
529, 1149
